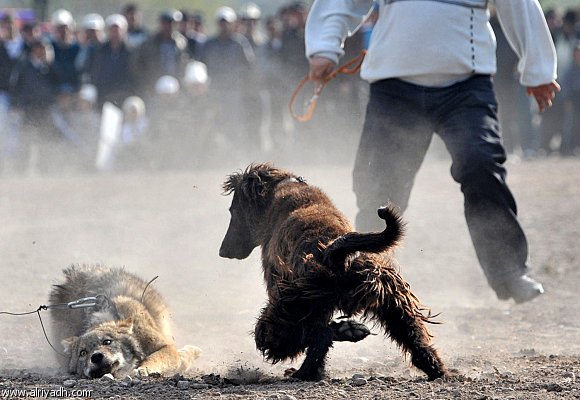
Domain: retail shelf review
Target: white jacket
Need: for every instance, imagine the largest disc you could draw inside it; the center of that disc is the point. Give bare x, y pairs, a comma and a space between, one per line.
435, 42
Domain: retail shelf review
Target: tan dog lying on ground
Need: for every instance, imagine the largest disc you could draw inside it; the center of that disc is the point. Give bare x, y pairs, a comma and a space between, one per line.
127, 331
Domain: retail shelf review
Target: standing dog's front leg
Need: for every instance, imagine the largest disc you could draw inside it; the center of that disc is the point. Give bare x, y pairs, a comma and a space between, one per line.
319, 340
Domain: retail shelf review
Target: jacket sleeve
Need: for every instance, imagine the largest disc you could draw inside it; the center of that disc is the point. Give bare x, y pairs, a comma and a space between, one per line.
527, 32
330, 22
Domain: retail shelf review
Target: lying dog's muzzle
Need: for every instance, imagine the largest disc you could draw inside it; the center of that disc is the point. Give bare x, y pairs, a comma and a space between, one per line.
100, 366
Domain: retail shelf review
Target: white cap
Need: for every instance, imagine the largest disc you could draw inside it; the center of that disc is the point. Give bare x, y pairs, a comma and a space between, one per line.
167, 84
88, 93
62, 17
93, 21
250, 11
117, 20
134, 104
195, 72
225, 13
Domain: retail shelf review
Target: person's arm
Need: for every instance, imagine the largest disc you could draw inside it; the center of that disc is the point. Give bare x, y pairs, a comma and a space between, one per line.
329, 23
527, 32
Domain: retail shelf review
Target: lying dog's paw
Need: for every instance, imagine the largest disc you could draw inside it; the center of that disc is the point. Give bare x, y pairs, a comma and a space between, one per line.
348, 331
141, 371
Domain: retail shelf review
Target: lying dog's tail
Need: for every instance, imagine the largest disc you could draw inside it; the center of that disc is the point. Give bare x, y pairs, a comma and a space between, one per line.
374, 242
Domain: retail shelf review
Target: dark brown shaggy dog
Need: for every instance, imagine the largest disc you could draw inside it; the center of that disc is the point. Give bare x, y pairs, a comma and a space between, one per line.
315, 265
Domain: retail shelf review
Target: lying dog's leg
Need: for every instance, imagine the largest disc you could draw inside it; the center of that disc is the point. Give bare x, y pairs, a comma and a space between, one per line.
163, 361
319, 342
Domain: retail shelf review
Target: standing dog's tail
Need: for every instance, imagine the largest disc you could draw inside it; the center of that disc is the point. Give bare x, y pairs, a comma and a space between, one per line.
374, 242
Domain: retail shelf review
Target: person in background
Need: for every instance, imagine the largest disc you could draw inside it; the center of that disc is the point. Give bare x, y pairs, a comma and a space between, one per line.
111, 71
136, 33
571, 99
8, 137
429, 72
198, 31
33, 87
552, 124
66, 50
30, 32
229, 57
164, 53
92, 36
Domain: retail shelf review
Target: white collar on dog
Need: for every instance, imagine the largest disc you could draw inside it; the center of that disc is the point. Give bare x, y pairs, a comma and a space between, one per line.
292, 179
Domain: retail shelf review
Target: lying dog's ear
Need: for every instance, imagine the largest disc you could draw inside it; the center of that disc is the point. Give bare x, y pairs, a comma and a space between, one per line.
69, 345
126, 326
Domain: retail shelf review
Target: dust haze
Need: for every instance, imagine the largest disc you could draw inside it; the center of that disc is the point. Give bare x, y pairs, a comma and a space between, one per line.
170, 223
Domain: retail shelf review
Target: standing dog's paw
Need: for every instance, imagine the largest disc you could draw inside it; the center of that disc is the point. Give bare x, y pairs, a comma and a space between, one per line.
304, 375
348, 331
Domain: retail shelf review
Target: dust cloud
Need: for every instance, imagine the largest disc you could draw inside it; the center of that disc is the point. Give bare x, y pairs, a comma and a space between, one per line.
171, 222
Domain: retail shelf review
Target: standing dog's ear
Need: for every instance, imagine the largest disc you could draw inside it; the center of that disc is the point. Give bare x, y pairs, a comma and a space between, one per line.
259, 180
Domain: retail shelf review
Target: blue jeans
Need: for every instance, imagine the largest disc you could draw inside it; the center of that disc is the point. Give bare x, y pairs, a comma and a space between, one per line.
400, 121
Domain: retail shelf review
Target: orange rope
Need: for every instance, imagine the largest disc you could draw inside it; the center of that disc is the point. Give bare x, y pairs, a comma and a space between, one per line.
349, 68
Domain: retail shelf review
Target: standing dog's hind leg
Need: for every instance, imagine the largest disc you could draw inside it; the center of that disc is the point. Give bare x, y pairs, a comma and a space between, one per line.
399, 313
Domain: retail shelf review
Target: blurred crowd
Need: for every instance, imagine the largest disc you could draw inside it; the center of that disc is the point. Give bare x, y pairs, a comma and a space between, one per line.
107, 93
527, 133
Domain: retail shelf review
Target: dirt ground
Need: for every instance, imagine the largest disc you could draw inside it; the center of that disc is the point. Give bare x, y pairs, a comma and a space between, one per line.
171, 224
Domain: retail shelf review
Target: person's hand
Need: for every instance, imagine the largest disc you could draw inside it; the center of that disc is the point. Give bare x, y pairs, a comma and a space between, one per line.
320, 69
544, 94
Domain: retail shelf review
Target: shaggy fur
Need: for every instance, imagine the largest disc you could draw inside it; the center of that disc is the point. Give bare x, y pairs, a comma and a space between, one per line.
315, 265
127, 332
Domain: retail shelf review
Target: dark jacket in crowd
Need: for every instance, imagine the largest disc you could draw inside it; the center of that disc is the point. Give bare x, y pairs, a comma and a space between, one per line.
157, 57
33, 89
65, 65
6, 65
111, 73
228, 61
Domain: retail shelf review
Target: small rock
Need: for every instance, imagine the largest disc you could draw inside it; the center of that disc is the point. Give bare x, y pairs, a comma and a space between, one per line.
183, 385
69, 383
438, 381
136, 381
322, 383
108, 378
358, 376
286, 397
571, 375
359, 382
199, 386
554, 387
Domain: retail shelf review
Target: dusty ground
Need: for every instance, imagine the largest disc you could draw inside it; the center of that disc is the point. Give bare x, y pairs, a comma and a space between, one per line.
171, 225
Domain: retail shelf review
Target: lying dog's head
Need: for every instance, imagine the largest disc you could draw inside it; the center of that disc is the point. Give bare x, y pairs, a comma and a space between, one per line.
110, 348
253, 190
